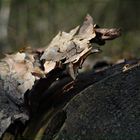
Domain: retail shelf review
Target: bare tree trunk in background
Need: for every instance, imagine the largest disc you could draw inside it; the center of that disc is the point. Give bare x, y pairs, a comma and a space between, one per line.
4, 20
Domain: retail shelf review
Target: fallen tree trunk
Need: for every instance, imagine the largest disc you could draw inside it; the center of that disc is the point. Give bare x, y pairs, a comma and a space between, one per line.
105, 107
35, 104
109, 109
50, 101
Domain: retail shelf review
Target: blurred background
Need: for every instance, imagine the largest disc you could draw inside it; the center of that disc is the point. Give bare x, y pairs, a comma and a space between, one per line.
35, 22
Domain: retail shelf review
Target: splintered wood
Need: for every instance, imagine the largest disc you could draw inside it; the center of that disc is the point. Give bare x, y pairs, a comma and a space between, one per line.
71, 49
34, 71
16, 73
19, 71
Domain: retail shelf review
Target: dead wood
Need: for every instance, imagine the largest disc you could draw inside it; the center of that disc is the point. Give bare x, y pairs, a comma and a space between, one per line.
108, 109
57, 98
35, 82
